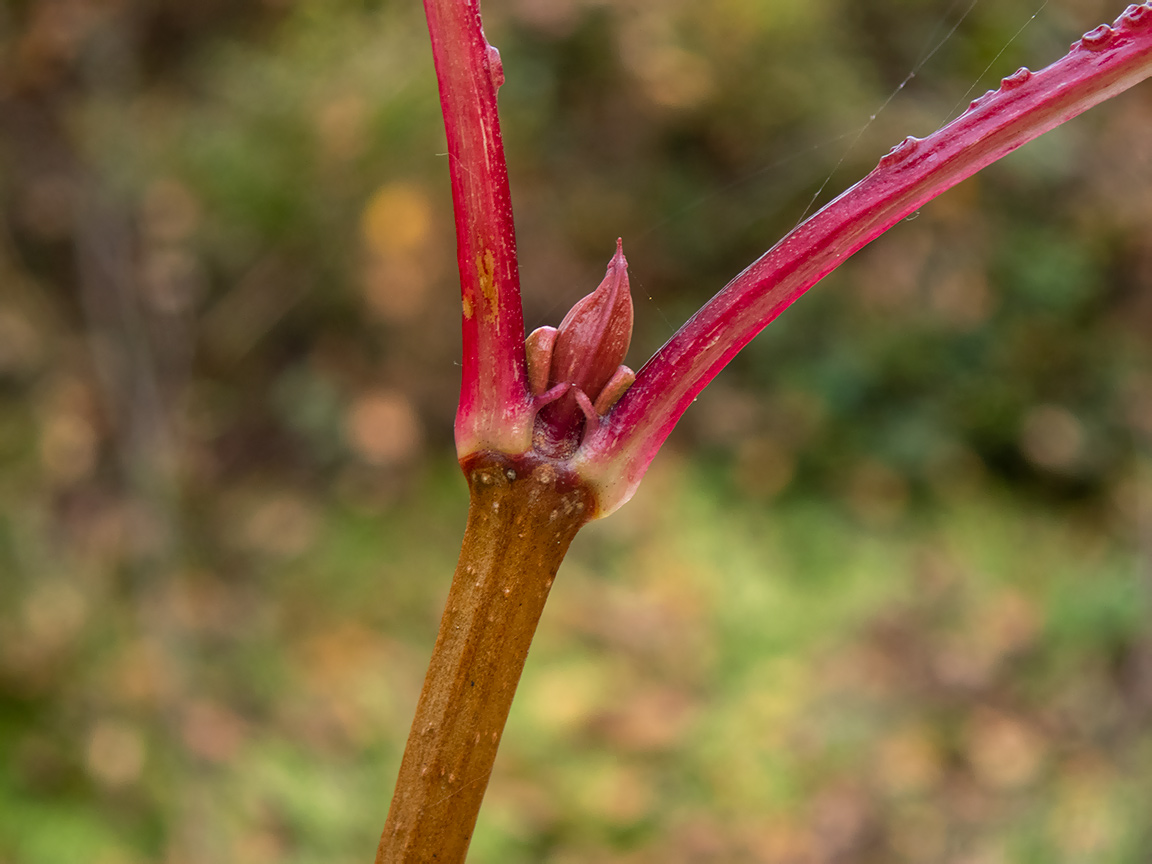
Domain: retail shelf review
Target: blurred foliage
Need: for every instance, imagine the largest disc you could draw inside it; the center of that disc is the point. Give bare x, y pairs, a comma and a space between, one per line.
894, 608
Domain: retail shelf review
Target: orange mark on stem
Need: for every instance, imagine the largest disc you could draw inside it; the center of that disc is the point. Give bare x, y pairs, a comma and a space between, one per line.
486, 275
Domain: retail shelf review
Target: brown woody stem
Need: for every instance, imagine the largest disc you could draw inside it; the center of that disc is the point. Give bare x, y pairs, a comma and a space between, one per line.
523, 514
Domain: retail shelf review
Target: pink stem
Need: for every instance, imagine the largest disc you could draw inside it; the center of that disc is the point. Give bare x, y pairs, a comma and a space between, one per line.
1103, 63
494, 410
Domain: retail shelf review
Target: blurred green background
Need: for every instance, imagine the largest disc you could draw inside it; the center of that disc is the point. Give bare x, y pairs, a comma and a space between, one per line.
884, 596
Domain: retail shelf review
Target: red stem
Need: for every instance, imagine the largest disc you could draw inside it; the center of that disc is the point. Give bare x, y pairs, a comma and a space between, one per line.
1100, 65
494, 379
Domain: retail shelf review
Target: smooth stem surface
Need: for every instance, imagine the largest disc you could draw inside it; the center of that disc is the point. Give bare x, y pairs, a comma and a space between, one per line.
495, 408
522, 517
1101, 64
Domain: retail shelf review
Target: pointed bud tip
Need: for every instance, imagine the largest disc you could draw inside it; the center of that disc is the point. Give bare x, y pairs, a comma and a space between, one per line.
592, 340
618, 260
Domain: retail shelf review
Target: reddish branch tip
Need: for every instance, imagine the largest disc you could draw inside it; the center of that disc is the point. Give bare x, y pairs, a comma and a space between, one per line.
495, 66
